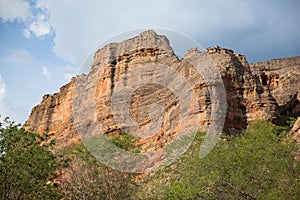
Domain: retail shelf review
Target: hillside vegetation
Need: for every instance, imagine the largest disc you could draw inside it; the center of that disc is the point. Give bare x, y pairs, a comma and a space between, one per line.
260, 163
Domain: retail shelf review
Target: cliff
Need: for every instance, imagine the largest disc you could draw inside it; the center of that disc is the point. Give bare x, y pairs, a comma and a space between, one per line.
282, 77
253, 91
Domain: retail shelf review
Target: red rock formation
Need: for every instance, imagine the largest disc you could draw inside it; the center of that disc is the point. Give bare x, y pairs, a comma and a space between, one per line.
90, 97
53, 116
247, 98
295, 132
282, 77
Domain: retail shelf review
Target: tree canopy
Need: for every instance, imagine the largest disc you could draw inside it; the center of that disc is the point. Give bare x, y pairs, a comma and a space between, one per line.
258, 164
26, 166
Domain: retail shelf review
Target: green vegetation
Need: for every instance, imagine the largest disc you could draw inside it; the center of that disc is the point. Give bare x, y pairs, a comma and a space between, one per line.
292, 121
125, 141
86, 178
258, 164
26, 167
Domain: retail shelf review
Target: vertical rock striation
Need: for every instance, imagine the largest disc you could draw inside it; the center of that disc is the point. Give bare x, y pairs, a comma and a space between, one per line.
253, 91
282, 77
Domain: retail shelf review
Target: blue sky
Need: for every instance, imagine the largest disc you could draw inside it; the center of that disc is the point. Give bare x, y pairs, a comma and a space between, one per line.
44, 42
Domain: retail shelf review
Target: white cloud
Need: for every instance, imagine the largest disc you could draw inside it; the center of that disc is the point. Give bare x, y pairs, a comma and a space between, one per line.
68, 72
21, 56
40, 27
11, 10
45, 72
3, 105
27, 33
34, 17
79, 26
9, 109
77, 35
2, 88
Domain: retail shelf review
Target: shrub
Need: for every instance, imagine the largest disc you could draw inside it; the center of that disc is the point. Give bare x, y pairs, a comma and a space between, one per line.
258, 164
26, 166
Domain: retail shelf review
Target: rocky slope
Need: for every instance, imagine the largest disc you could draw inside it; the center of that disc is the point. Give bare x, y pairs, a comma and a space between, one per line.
253, 91
282, 77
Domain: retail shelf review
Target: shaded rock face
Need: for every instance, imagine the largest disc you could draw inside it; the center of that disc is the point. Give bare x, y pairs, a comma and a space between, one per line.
295, 132
247, 98
249, 95
282, 77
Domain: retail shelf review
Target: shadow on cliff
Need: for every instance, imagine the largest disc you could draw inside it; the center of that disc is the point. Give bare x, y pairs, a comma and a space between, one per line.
236, 117
288, 110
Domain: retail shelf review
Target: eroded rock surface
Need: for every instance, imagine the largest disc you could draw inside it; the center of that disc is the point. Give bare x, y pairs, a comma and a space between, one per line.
295, 132
282, 76
256, 91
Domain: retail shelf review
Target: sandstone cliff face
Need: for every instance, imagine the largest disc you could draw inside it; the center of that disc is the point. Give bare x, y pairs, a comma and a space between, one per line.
282, 77
53, 116
249, 96
295, 132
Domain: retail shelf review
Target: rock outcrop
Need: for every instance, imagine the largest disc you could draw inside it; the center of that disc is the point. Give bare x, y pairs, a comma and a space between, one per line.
253, 91
282, 77
247, 98
53, 116
295, 132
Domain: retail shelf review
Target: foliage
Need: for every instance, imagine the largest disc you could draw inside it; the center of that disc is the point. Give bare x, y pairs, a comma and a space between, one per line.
26, 166
292, 121
259, 164
86, 178
125, 141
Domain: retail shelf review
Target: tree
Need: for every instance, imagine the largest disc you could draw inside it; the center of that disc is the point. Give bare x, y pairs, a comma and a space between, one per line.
26, 166
258, 164
84, 178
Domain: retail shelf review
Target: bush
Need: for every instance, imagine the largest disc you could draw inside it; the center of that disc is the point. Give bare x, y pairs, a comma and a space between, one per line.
259, 164
26, 166
125, 141
86, 178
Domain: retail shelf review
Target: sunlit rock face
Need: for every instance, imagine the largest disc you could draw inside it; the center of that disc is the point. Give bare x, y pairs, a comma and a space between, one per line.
253, 91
